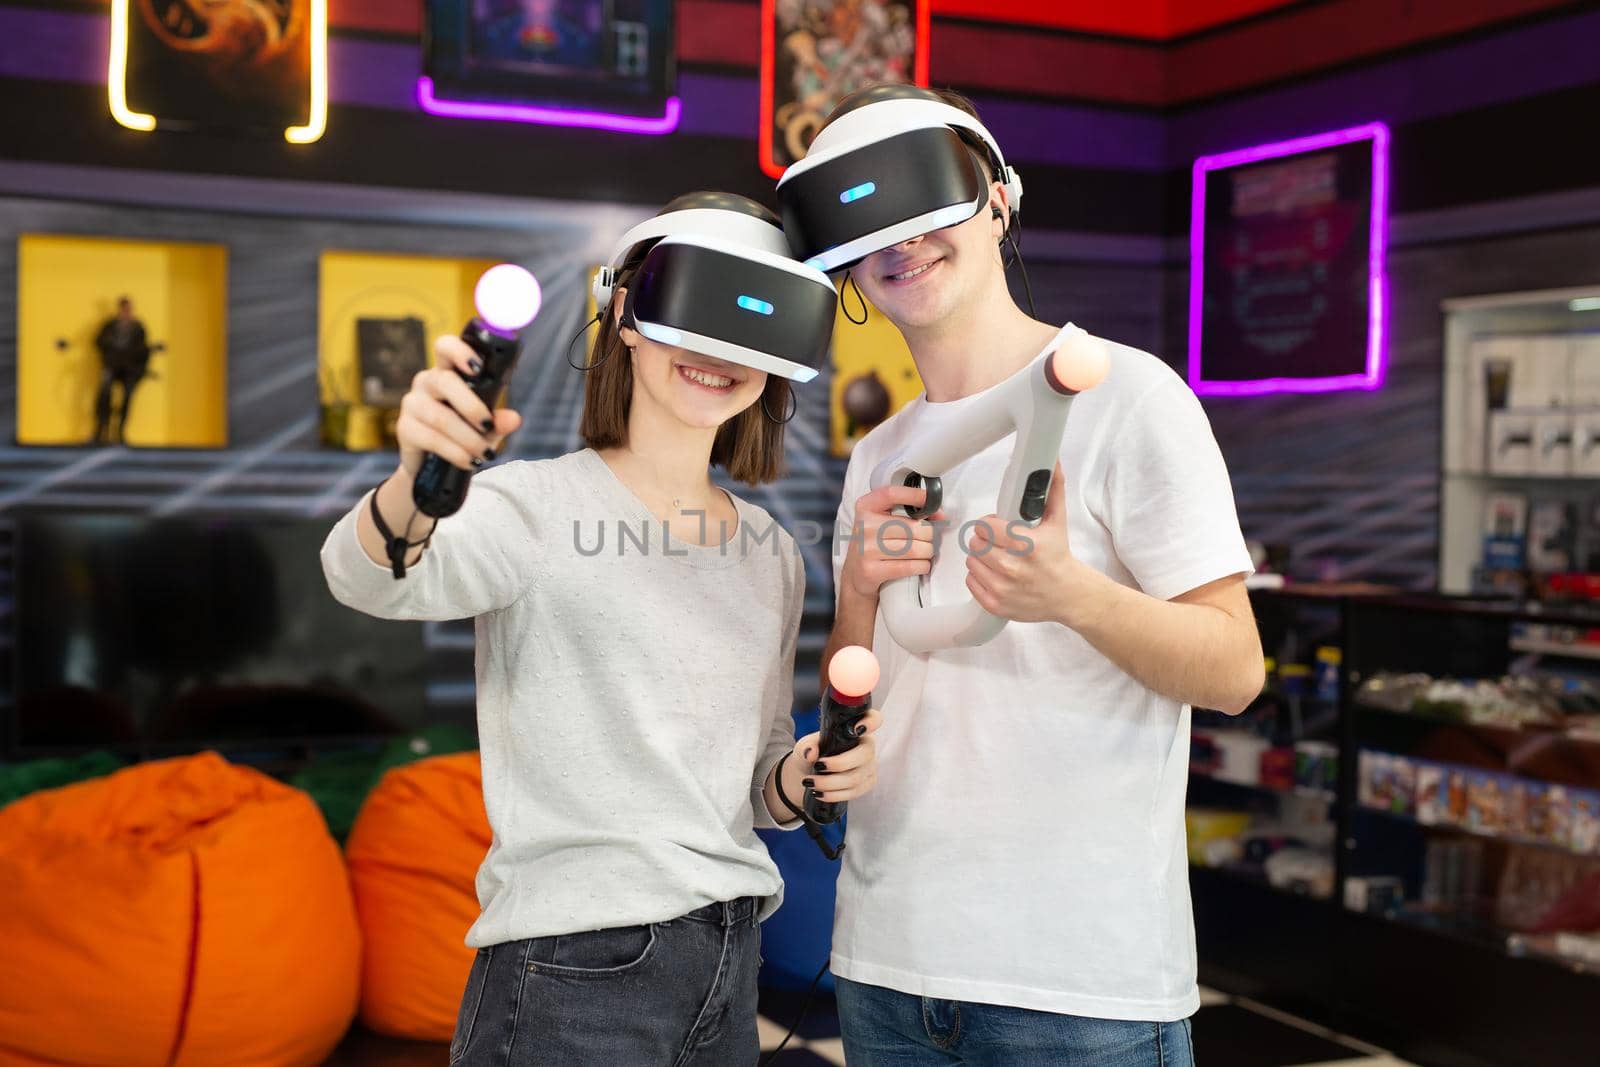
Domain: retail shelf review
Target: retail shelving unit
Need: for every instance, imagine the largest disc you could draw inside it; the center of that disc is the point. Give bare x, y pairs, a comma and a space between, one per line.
1520, 454
1466, 837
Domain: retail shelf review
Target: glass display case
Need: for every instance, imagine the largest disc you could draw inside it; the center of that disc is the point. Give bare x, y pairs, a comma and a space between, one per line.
1475, 731
1519, 512
1441, 897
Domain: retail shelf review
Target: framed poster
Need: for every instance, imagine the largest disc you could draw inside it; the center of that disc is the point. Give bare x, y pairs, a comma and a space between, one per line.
607, 64
814, 53
255, 66
1287, 283
391, 351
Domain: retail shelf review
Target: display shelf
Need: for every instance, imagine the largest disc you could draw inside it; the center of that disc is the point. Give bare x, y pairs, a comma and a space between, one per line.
1414, 972
1549, 754
1549, 948
1520, 401
1325, 795
1546, 647
1577, 736
1488, 937
1479, 835
1253, 874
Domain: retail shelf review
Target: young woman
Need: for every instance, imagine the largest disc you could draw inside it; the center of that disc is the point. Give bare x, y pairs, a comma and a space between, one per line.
635, 651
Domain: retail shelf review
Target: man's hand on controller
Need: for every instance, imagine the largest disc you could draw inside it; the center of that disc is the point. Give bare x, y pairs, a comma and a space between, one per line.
885, 546
1029, 574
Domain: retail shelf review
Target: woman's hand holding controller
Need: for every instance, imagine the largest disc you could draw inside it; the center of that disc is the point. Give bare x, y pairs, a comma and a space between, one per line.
839, 778
442, 415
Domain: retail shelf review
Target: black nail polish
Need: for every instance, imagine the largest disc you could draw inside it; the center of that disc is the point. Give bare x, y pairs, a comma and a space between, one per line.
477, 461
475, 365
808, 782
819, 767
490, 454
860, 730
487, 424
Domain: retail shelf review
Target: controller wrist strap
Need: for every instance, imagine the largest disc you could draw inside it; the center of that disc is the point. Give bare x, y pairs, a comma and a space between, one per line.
397, 547
812, 827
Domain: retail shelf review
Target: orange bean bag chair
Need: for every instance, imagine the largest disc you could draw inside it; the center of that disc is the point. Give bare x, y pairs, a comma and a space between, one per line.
413, 856
180, 913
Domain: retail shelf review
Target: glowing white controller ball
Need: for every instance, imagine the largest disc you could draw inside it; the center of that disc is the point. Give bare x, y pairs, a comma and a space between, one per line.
507, 297
853, 671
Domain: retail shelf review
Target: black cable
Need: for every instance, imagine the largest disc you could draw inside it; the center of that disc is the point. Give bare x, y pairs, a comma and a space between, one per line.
1016, 257
850, 283
581, 331
805, 1005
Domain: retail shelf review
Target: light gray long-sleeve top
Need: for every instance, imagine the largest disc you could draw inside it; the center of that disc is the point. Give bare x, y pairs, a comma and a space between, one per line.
633, 692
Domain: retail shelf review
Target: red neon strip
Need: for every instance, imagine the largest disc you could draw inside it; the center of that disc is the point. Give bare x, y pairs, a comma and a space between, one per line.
769, 68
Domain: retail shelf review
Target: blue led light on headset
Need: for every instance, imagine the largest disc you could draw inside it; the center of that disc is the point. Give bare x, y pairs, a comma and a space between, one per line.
760, 307
858, 192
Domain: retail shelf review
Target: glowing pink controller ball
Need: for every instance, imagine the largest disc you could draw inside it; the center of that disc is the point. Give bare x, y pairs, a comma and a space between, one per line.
853, 671
1080, 364
507, 297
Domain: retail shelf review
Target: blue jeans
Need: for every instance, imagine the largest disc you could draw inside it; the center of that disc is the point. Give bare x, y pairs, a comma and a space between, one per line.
670, 994
885, 1028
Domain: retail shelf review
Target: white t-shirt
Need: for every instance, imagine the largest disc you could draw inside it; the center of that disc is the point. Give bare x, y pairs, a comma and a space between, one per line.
1025, 842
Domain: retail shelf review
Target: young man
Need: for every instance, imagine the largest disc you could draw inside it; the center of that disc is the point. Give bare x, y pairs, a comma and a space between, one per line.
1016, 890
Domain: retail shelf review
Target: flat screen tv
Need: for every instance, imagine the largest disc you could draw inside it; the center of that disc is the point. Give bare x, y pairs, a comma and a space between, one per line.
163, 635
603, 63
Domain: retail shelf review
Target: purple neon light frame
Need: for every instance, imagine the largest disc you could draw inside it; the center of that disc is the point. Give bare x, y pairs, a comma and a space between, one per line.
666, 122
1377, 278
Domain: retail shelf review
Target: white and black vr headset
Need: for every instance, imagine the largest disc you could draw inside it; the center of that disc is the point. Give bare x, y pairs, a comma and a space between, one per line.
720, 281
890, 169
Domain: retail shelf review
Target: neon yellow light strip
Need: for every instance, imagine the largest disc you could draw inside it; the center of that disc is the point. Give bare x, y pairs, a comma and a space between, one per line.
117, 73
318, 123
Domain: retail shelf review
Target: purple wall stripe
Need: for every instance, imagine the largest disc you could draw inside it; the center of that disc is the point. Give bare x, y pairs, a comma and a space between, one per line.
1510, 65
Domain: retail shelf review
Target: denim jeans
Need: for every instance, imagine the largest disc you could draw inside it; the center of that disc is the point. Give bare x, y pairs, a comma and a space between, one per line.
885, 1028
670, 994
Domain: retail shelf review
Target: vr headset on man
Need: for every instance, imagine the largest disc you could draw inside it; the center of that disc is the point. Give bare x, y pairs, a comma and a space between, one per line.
898, 164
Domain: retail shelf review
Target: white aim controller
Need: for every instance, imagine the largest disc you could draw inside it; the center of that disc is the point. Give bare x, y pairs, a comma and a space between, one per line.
1033, 403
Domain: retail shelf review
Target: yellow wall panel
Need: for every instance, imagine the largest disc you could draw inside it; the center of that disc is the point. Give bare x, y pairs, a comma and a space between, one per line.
871, 348
67, 287
356, 285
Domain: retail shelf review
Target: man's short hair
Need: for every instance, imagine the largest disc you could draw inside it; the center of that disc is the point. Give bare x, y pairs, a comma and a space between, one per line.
956, 100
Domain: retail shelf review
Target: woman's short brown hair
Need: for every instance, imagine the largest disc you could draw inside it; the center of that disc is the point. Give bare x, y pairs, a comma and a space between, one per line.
748, 446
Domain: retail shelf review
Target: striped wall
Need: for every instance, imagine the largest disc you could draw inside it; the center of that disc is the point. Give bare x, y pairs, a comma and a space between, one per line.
1494, 191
